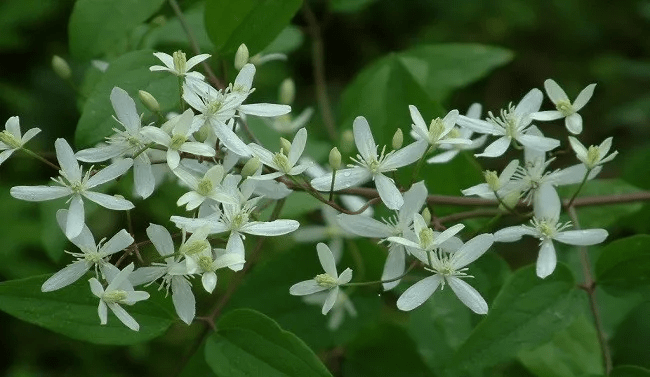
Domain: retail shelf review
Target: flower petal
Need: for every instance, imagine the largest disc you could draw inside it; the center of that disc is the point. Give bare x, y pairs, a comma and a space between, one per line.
143, 178
330, 300
109, 173
363, 138
546, 260
297, 146
75, 219
468, 295
539, 143
67, 160
125, 110
364, 226
394, 266
120, 241
231, 140
124, 317
418, 293
546, 115
531, 103
583, 237
344, 178
326, 259
573, 123
554, 92
388, 192
65, 276
183, 298
472, 250
306, 287
496, 148
584, 97
513, 233
405, 156
109, 201
209, 281
265, 109
39, 193
270, 228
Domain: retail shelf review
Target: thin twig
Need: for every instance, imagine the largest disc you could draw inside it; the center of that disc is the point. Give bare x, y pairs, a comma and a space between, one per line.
195, 46
318, 59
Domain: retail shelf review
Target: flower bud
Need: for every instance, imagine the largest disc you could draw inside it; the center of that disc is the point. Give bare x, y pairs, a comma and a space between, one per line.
492, 179
287, 91
61, 67
285, 145
241, 57
426, 214
511, 200
250, 167
398, 139
149, 101
347, 141
335, 159
202, 134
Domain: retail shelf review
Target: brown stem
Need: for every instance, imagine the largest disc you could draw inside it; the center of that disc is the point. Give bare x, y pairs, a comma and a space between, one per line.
589, 286
195, 46
318, 58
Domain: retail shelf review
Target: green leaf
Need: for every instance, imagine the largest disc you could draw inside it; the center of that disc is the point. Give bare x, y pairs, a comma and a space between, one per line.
572, 352
624, 265
349, 6
248, 343
253, 22
424, 76
630, 343
131, 73
384, 351
527, 312
172, 33
629, 371
96, 26
289, 39
72, 311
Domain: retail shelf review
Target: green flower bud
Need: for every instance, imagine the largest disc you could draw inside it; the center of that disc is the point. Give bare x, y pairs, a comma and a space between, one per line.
250, 167
61, 67
202, 134
347, 141
426, 214
241, 57
398, 139
287, 91
335, 159
149, 101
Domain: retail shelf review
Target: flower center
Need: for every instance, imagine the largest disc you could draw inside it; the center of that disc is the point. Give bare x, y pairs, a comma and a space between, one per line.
205, 187
214, 106
205, 263
507, 120
593, 156
177, 142
195, 247
114, 296
282, 161
326, 280
10, 140
179, 62
436, 128
92, 256
239, 220
492, 180
565, 108
426, 238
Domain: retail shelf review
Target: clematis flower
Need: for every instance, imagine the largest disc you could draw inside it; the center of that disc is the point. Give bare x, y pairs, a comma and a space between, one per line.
565, 109
371, 165
449, 268
452, 150
439, 129
119, 291
207, 188
329, 281
284, 162
178, 64
547, 228
11, 139
595, 155
511, 126
73, 183
91, 255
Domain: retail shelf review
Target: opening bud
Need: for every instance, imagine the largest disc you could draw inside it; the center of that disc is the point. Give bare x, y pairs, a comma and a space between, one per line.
287, 91
398, 139
285, 145
347, 141
61, 67
241, 57
426, 215
335, 159
149, 101
250, 167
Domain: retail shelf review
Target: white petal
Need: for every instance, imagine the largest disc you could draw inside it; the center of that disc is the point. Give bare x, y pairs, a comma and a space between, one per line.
468, 295
166, 59
403, 241
363, 138
327, 260
4, 155
568, 176
39, 193
580, 149
405, 156
345, 277
271, 228
443, 157
330, 300
125, 110
75, 219
231, 140
546, 260
102, 311
478, 125
472, 250
344, 178
573, 123
265, 156
67, 161
183, 298
65, 276
101, 153
156, 135
143, 176
539, 143
546, 115
96, 287
235, 245
109, 201
124, 317
531, 103
306, 287
418, 293
419, 125
474, 111
197, 148
414, 199
546, 202
109, 173
364, 226
245, 76
512, 233
209, 281
584, 237
394, 266
584, 97
12, 125
555, 93
173, 159
448, 233
388, 192
496, 148
297, 146
265, 109
194, 60
144, 275
120, 241
30, 134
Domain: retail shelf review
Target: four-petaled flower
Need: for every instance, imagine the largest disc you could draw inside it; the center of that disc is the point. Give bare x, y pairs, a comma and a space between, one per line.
284, 162
178, 64
565, 109
11, 139
595, 155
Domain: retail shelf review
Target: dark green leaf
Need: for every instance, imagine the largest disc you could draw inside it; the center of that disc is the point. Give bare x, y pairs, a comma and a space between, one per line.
248, 343
96, 26
631, 341
624, 265
289, 39
629, 371
527, 312
72, 311
131, 73
253, 22
349, 6
172, 33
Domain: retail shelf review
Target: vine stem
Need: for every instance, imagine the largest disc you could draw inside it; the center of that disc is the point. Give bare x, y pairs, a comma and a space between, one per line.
575, 194
589, 286
40, 158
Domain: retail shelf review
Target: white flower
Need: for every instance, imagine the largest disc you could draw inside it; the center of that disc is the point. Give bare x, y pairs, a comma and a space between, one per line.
284, 161
546, 228
91, 255
438, 129
565, 109
462, 133
73, 183
329, 281
371, 165
500, 184
595, 155
11, 139
427, 239
342, 305
125, 143
217, 107
449, 268
178, 141
119, 291
178, 64
208, 187
208, 263
511, 126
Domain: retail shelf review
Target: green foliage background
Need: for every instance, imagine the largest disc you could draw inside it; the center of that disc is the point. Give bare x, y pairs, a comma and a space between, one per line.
372, 50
